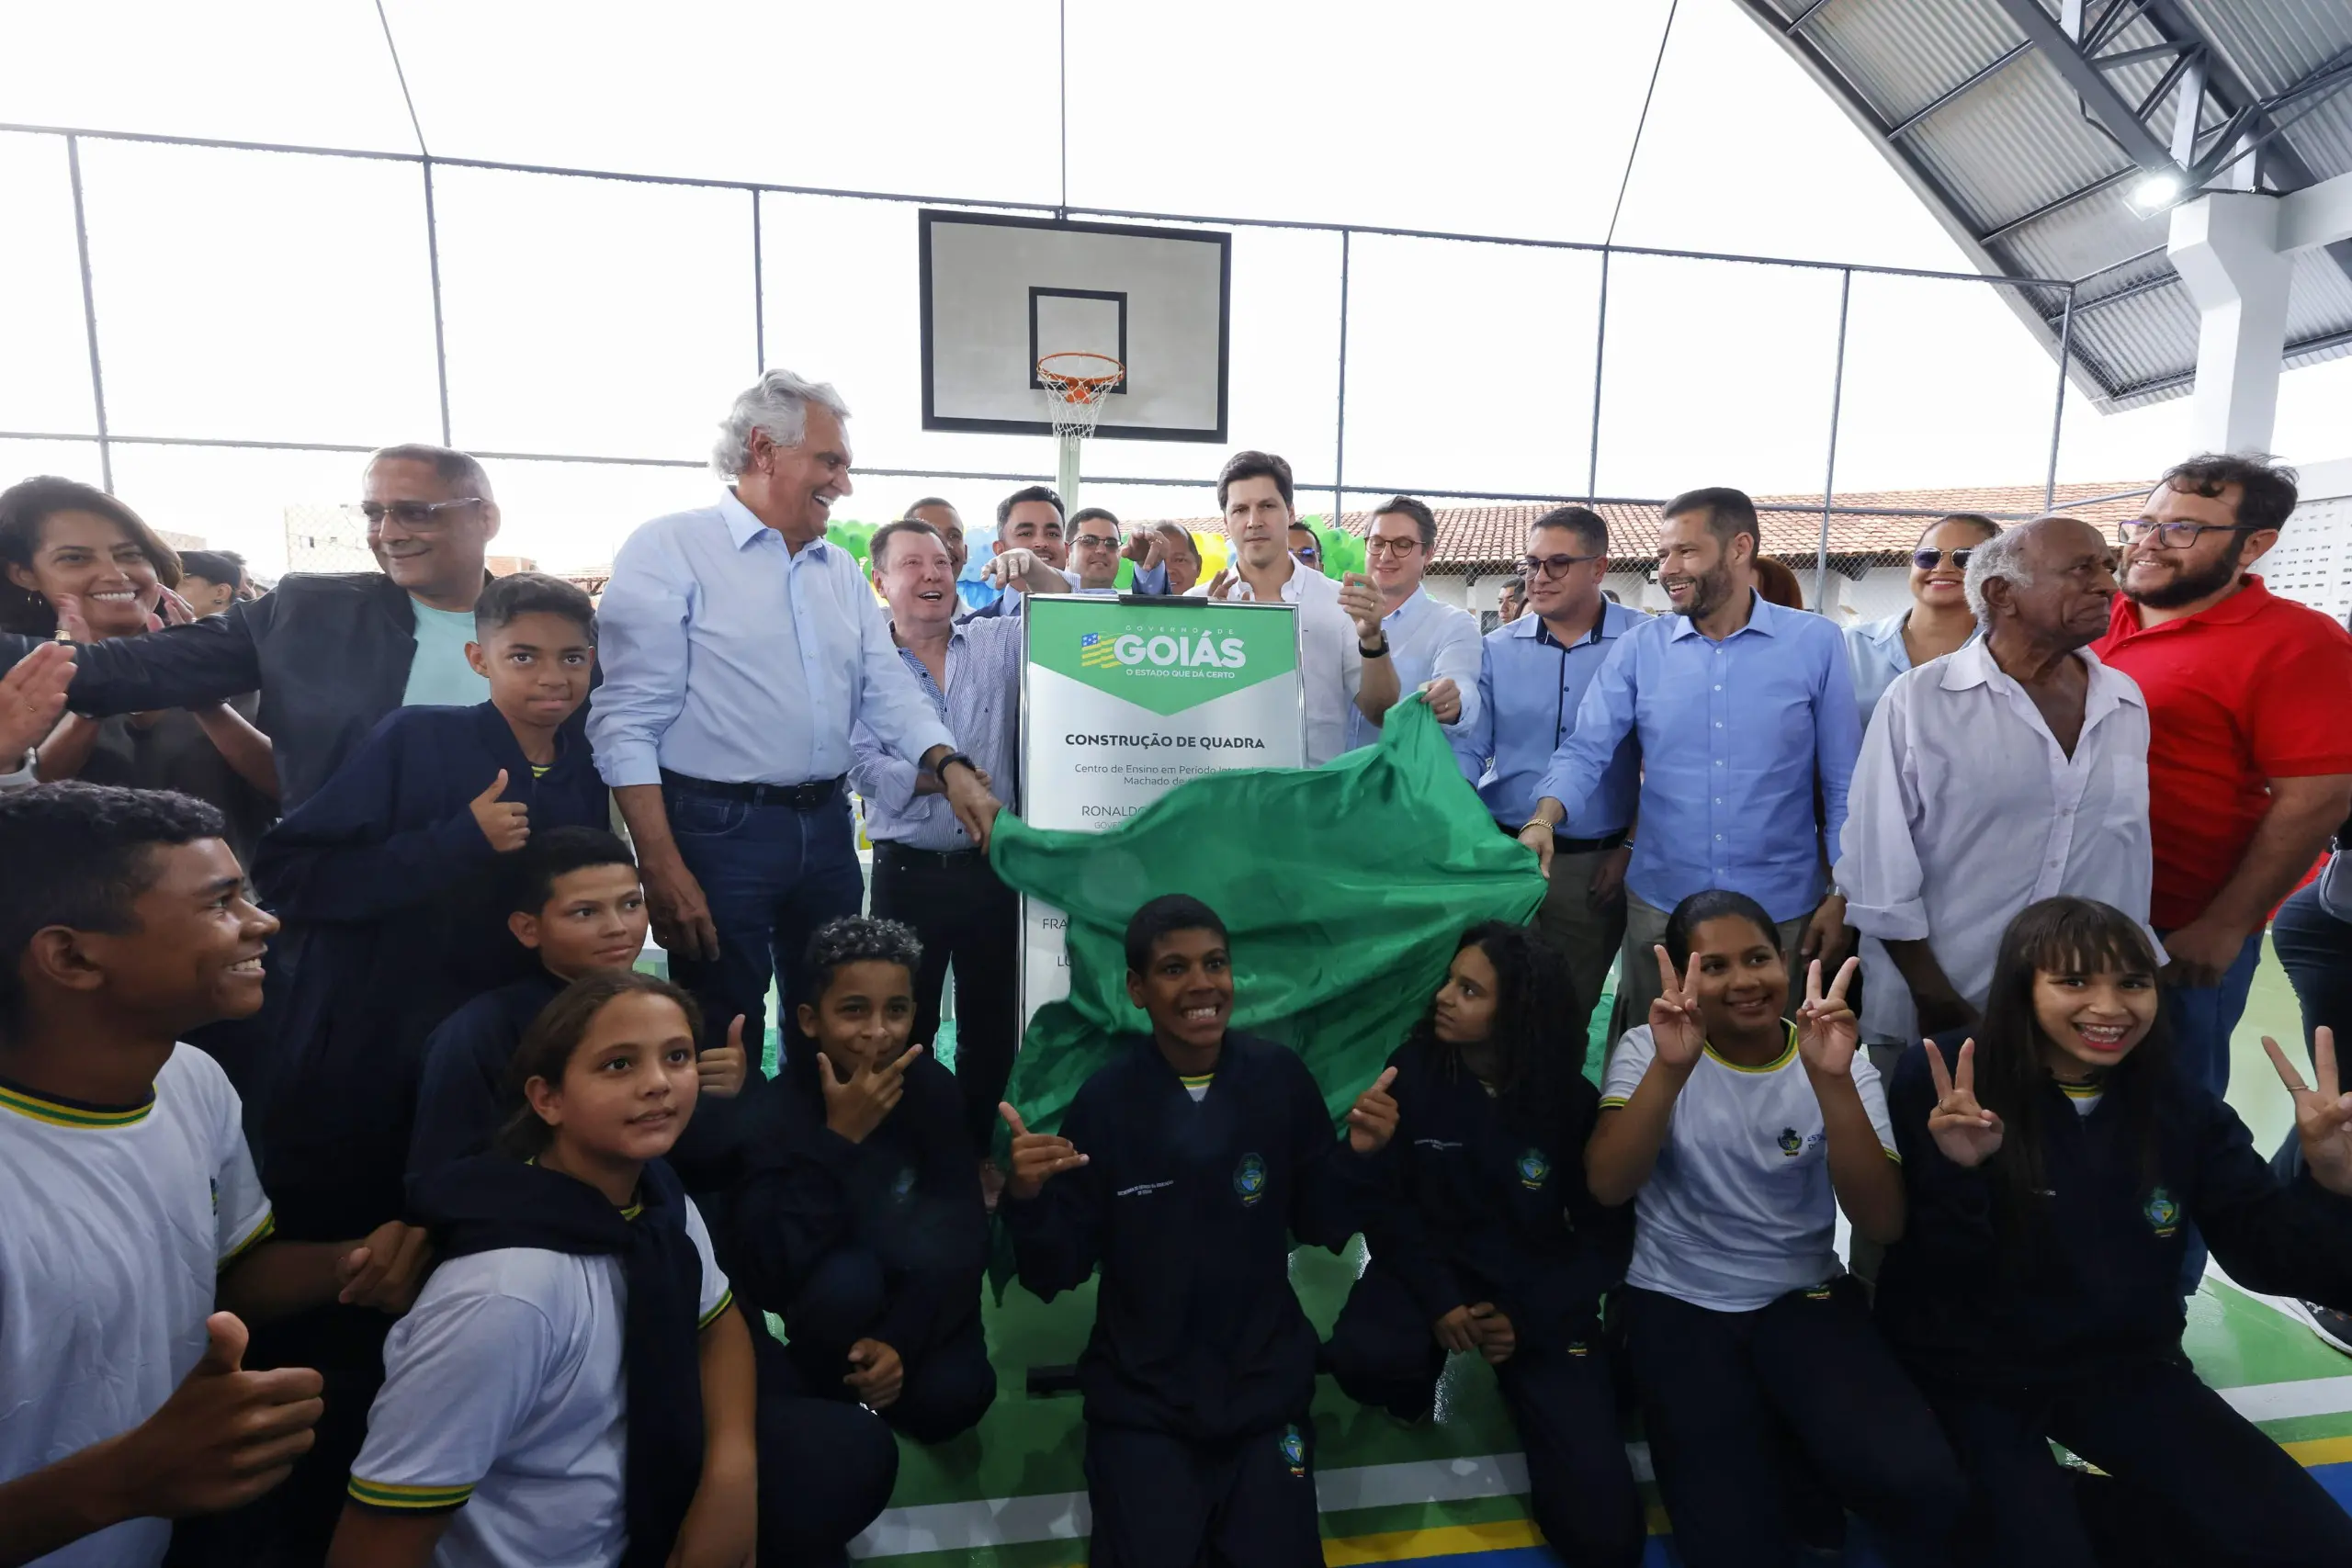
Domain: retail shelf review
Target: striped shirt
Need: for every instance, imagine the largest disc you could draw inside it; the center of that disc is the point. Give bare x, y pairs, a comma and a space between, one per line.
980, 707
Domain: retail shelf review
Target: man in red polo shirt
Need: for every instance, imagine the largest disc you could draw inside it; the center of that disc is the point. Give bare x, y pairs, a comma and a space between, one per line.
2250, 752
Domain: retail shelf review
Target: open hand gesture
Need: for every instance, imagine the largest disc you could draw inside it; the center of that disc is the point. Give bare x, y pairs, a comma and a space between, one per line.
857, 1104
1676, 1028
2323, 1115
1036, 1157
1826, 1033
1372, 1121
1966, 1133
505, 823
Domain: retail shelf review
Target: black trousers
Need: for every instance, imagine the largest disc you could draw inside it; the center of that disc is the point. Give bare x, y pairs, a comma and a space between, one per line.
826, 1467
1164, 1502
1721, 1391
962, 912
1383, 1351
2189, 1481
946, 1385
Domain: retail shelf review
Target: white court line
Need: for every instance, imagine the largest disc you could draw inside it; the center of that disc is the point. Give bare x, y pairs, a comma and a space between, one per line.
1064, 1516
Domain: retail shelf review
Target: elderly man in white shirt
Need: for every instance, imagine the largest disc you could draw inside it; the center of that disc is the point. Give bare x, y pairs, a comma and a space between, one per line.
1342, 648
2011, 771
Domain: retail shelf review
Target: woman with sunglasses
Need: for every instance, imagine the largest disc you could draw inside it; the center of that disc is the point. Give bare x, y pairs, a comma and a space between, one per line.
1939, 621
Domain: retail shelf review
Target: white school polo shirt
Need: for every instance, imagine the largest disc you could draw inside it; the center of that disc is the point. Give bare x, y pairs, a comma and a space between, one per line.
1738, 1210
504, 1397
122, 1223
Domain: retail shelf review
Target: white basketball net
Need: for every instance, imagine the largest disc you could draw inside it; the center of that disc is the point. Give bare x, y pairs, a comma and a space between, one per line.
1075, 386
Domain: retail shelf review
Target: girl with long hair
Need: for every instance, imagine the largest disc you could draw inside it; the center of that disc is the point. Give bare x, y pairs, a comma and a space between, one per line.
2056, 1169
1738, 1134
1486, 1241
575, 1386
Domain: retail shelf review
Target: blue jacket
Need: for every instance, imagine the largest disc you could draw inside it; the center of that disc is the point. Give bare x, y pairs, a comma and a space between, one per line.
395, 917
461, 1099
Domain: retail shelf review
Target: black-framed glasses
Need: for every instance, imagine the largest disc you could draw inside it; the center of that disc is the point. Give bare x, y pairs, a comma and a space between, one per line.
2176, 535
1552, 566
1376, 545
1927, 557
414, 516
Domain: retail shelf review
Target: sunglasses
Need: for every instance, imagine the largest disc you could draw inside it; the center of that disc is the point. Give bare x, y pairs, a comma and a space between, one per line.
1928, 559
1549, 567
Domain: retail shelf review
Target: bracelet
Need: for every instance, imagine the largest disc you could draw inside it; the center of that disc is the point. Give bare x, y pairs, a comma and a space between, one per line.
1536, 822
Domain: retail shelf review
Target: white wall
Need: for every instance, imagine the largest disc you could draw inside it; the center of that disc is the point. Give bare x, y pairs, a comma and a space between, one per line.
2312, 560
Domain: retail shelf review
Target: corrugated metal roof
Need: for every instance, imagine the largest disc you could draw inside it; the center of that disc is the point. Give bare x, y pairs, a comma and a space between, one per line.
2014, 166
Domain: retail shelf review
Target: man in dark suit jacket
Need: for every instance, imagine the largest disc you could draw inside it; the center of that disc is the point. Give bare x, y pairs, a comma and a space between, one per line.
330, 653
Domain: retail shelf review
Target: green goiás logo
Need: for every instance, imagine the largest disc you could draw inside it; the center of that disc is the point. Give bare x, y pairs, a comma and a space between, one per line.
1161, 659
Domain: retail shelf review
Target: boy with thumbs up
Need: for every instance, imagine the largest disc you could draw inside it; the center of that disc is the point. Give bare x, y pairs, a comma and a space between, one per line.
392, 880
860, 1223
140, 1213
1183, 1169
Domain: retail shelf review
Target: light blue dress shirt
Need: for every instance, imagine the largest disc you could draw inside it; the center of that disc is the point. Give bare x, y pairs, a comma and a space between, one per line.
1875, 649
981, 706
1427, 640
1529, 690
726, 657
1734, 736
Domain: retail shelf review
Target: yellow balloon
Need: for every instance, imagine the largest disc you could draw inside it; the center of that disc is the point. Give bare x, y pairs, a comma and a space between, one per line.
1217, 553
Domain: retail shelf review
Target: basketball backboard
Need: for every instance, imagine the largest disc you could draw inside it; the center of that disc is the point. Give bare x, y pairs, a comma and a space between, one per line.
1000, 293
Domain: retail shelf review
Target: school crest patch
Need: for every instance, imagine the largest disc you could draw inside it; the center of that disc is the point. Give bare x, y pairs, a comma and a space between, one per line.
1534, 1169
1249, 1180
2163, 1215
1792, 1142
1295, 1451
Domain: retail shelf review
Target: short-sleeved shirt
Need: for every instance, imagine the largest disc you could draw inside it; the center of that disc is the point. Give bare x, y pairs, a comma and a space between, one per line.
2254, 689
1738, 1210
438, 676
504, 1398
124, 1218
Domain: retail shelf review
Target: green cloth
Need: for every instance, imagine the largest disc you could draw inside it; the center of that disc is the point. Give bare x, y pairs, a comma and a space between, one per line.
1344, 889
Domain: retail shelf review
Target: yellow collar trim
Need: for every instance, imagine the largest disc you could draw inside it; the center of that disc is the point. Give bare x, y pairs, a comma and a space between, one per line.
57, 1114
1788, 1053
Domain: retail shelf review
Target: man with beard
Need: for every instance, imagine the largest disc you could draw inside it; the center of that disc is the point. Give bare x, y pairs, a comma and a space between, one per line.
1742, 708
2250, 755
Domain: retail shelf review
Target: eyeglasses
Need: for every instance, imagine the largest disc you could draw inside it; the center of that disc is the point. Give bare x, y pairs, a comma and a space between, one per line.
1928, 559
2177, 536
418, 517
1552, 566
1095, 542
1380, 546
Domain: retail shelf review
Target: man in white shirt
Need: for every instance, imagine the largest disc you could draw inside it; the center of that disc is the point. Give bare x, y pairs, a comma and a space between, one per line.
1343, 650
2011, 771
1432, 645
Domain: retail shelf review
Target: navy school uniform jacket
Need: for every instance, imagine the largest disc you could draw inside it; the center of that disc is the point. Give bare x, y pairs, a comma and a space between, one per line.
1190, 1210
461, 1099
395, 917
2091, 1279
1473, 1210
909, 1193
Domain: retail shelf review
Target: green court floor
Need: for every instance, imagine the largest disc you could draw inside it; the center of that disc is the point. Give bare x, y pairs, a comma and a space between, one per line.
1010, 1495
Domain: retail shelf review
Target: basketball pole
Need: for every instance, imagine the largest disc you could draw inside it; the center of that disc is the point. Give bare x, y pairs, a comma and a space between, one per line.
1068, 475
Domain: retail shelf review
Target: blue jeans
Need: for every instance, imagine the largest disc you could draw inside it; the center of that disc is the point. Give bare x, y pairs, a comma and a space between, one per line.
2201, 1018
772, 876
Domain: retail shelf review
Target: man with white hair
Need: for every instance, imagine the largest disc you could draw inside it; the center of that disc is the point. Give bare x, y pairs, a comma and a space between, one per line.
2011, 771
740, 650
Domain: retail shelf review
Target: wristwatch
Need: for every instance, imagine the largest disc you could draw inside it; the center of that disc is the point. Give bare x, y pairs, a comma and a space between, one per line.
1379, 651
951, 758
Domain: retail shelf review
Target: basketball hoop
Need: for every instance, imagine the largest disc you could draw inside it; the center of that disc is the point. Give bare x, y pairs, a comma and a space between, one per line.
1076, 385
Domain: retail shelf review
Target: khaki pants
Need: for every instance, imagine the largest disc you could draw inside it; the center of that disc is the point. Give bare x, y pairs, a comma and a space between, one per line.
1586, 937
1637, 974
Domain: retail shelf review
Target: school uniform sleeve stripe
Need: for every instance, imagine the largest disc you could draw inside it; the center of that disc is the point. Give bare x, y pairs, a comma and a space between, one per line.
1614, 1102
391, 1498
726, 1299
262, 1231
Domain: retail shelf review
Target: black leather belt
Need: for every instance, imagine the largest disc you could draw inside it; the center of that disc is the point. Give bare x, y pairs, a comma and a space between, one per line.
943, 860
1561, 846
799, 797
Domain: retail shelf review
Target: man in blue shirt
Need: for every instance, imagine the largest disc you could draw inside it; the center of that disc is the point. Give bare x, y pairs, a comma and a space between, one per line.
740, 650
1745, 712
1533, 673
1434, 646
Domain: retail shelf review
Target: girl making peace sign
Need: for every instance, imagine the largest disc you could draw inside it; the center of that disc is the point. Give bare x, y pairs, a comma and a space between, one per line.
2056, 1169
1741, 1133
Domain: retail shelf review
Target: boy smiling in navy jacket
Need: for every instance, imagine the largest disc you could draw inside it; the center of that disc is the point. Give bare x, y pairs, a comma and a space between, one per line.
1183, 1169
